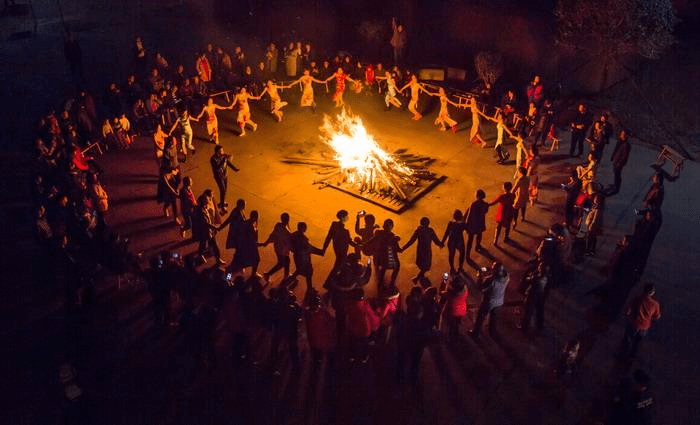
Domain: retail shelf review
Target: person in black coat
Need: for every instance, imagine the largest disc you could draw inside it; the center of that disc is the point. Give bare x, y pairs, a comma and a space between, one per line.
203, 228
619, 157
579, 127
220, 163
302, 250
454, 235
425, 235
340, 236
475, 220
234, 221
384, 246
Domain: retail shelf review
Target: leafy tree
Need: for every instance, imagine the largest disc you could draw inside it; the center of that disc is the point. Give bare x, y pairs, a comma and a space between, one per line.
489, 66
611, 28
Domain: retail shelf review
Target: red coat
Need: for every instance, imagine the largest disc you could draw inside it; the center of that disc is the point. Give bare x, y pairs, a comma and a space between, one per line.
457, 303
361, 320
320, 330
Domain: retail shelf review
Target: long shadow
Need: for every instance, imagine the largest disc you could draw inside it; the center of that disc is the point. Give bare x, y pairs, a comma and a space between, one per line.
453, 389
132, 200
151, 230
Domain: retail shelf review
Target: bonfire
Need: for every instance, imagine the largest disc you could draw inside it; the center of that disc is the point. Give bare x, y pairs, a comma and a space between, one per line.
359, 166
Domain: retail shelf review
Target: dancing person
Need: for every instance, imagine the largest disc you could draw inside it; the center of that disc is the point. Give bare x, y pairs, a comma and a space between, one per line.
619, 158
235, 223
443, 118
301, 253
340, 236
280, 238
183, 123
276, 103
385, 246
504, 214
244, 117
247, 254
340, 77
220, 163
212, 122
454, 235
521, 191
494, 283
203, 228
390, 97
474, 135
425, 235
307, 90
475, 221
416, 87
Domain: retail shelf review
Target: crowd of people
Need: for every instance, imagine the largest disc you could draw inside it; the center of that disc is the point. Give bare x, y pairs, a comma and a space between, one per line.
160, 101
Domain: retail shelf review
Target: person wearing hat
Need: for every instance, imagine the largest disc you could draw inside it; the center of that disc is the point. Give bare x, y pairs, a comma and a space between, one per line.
455, 310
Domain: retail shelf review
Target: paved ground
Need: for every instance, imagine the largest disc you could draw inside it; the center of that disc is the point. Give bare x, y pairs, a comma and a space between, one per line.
135, 375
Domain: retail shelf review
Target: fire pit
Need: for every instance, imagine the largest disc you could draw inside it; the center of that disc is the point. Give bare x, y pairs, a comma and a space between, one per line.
355, 164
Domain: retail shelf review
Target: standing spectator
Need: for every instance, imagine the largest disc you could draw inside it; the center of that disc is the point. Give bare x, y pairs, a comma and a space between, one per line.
535, 91
579, 126
271, 58
521, 193
187, 205
281, 242
168, 193
320, 331
74, 56
203, 68
475, 220
361, 321
594, 223
596, 139
398, 41
505, 212
655, 196
220, 163
140, 60
573, 189
535, 295
641, 312
291, 58
619, 158
425, 235
494, 291
454, 235
533, 163
455, 306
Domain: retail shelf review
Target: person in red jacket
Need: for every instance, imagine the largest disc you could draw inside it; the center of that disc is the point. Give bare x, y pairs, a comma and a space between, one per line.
455, 309
320, 330
360, 321
504, 214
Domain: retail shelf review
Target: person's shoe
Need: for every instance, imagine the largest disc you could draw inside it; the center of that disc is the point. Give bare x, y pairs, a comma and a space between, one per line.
242, 134
166, 213
182, 233
507, 240
220, 262
255, 127
178, 221
443, 129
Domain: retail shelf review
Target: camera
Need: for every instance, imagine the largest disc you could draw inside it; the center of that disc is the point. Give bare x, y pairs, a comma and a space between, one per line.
175, 255
484, 269
229, 276
446, 276
362, 213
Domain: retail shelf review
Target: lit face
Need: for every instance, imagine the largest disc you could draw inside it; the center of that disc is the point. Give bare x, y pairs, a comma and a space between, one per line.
441, 91
340, 71
210, 101
582, 108
306, 73
244, 91
536, 80
414, 79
